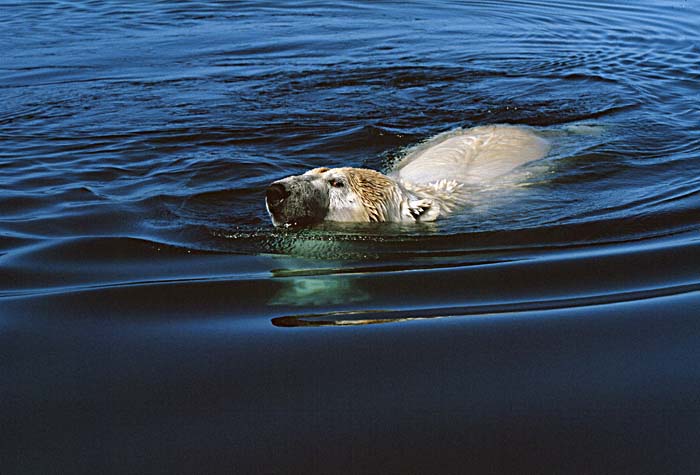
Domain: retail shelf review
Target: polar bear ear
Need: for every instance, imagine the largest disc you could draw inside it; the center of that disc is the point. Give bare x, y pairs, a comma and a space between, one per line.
424, 210
317, 170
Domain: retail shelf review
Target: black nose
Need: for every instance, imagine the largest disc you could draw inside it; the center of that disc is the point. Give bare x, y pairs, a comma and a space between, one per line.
276, 193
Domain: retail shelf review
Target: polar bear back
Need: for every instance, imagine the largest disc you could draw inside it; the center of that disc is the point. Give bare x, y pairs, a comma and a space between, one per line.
471, 156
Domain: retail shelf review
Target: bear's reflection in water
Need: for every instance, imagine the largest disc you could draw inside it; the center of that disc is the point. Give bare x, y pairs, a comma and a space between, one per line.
317, 291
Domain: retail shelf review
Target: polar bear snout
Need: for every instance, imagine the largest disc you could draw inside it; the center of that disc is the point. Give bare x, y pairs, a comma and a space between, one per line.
296, 200
275, 195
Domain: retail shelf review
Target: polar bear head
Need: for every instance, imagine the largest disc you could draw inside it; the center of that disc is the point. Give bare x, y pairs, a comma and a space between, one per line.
345, 194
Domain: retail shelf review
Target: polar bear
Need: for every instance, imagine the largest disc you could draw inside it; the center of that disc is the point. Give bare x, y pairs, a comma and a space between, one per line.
430, 182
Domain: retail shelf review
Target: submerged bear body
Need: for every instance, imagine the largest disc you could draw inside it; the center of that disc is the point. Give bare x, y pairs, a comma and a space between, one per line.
431, 181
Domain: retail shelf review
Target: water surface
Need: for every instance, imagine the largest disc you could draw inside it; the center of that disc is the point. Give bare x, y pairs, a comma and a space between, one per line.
152, 319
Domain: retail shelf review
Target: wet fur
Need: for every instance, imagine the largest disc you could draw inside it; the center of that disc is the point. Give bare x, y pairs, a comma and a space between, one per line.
420, 189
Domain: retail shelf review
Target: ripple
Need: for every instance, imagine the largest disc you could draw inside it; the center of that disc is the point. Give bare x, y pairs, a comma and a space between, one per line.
154, 137
369, 317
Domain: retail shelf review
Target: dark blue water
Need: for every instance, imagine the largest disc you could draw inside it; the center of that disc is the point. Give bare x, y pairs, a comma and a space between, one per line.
153, 321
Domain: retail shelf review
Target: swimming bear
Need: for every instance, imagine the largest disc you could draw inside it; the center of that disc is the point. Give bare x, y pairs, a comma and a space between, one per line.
430, 182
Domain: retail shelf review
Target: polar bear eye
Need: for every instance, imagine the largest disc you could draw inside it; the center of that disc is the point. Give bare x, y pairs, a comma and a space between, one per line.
336, 183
